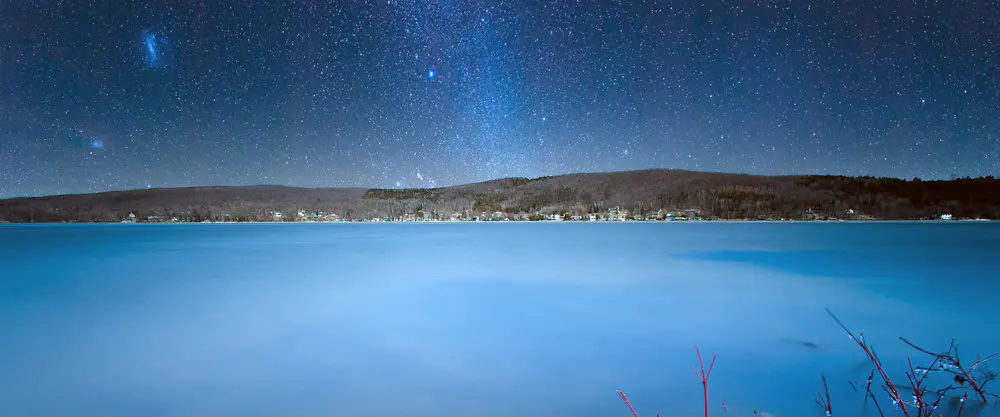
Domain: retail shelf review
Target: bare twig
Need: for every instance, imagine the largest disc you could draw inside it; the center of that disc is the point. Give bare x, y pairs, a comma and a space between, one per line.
988, 375
949, 362
625, 399
868, 385
824, 402
888, 386
919, 390
962, 405
703, 376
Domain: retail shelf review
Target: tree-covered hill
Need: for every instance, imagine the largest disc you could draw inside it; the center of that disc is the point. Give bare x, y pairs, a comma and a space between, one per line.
715, 194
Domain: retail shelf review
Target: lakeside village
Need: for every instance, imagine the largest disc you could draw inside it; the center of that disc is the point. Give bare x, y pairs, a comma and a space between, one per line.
615, 214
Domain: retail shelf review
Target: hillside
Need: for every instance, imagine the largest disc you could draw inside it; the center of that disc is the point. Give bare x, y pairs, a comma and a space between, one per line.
715, 194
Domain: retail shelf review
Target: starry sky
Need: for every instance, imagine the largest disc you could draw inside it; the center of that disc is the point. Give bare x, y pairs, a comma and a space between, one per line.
122, 94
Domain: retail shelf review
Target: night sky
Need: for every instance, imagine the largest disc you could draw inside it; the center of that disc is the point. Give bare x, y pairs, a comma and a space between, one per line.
107, 95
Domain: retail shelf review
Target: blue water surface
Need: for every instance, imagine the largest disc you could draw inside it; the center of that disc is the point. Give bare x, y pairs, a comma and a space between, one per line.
508, 319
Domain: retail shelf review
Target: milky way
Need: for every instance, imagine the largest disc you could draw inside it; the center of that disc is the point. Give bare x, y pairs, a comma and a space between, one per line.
406, 93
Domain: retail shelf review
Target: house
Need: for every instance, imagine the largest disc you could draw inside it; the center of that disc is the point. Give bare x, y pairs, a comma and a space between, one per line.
593, 217
946, 217
617, 214
129, 219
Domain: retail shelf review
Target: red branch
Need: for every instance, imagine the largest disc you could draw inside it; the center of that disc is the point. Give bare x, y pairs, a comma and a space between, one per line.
625, 399
825, 402
962, 405
703, 376
888, 386
952, 365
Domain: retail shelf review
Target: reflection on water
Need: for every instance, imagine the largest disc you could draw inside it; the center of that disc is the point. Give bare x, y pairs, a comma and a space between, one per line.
473, 319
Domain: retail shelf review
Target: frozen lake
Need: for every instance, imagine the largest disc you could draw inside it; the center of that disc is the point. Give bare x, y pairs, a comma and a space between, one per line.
511, 319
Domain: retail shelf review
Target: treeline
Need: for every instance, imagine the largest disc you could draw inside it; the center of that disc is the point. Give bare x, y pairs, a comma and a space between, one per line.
896, 198
732, 196
727, 196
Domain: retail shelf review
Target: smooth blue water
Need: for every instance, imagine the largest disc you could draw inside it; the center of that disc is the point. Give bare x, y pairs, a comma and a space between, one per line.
475, 319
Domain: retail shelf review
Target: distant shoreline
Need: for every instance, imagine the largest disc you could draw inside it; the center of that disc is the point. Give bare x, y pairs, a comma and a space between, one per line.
932, 221
708, 196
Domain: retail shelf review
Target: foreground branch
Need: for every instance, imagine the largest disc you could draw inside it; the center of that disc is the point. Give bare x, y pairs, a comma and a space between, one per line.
703, 376
825, 402
919, 406
949, 362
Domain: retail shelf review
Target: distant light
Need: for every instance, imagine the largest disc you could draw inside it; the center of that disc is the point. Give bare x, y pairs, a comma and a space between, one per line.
430, 73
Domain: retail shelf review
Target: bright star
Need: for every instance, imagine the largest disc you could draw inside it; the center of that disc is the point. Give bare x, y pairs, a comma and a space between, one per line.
430, 73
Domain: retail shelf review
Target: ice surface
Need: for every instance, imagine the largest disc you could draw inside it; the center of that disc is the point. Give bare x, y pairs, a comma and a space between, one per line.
475, 319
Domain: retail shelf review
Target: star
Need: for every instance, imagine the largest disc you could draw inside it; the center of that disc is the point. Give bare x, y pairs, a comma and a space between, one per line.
328, 95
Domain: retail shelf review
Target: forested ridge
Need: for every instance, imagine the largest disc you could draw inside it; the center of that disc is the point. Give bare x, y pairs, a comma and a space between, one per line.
715, 195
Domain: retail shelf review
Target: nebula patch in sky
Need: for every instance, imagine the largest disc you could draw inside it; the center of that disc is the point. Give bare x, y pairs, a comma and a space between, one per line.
83, 140
153, 45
